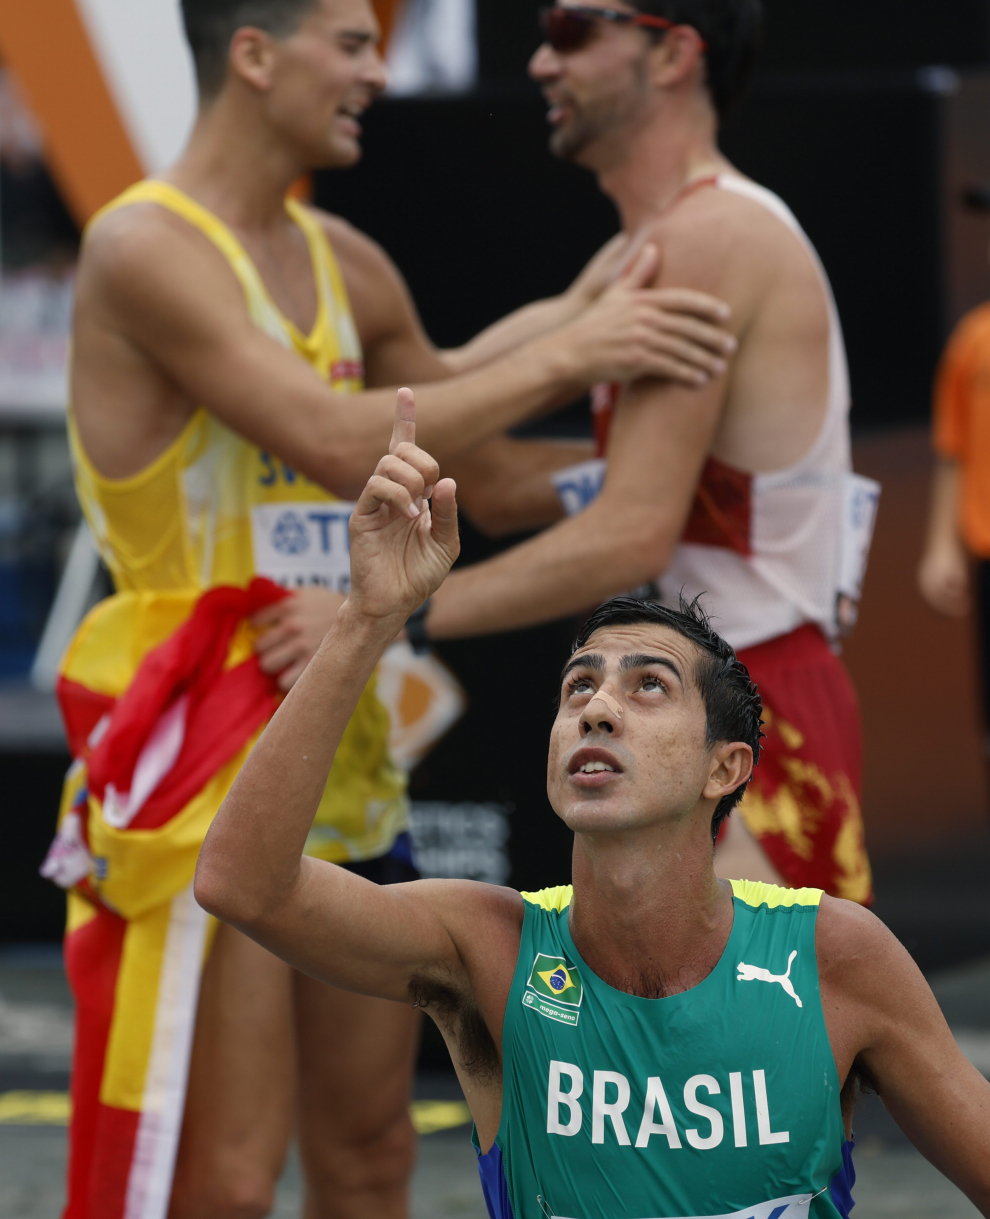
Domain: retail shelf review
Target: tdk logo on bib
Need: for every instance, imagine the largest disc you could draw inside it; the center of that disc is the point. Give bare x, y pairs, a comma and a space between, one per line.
290, 535
554, 989
303, 545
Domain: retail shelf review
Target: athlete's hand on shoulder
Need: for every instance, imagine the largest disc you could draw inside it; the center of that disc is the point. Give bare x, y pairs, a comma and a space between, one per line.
632, 331
401, 551
292, 630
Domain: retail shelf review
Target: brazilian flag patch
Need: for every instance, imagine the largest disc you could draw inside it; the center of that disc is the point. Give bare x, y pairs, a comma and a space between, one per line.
554, 989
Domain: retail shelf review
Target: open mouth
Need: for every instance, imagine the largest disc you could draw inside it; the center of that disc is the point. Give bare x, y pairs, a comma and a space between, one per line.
557, 108
591, 767
349, 116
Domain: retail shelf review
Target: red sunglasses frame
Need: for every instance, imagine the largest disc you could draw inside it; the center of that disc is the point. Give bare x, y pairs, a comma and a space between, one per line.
589, 14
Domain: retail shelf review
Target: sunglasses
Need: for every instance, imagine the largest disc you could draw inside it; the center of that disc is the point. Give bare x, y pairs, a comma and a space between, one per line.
569, 27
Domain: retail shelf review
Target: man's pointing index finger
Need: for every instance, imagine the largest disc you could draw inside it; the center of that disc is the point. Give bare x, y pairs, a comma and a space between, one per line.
404, 428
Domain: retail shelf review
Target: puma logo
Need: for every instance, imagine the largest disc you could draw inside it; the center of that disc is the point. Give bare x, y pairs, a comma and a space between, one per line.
755, 973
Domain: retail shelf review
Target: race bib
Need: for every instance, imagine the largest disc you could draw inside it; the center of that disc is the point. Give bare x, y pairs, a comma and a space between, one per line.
303, 545
578, 485
862, 498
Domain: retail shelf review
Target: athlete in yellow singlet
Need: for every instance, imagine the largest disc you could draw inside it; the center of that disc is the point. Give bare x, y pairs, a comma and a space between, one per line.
221, 421
213, 508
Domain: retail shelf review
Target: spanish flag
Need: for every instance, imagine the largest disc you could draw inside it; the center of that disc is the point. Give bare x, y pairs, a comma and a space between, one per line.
163, 699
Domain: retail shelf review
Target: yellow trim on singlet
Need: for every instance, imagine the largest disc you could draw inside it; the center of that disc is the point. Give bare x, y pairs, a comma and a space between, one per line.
329, 282
754, 893
558, 898
131, 482
757, 893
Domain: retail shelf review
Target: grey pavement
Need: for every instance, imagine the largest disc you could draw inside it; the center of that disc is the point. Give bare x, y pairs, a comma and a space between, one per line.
894, 1181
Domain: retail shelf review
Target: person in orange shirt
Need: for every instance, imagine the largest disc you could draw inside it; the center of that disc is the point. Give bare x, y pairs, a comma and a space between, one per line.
955, 566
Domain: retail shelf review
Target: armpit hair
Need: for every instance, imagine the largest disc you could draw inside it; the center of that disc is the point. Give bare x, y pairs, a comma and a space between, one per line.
460, 1019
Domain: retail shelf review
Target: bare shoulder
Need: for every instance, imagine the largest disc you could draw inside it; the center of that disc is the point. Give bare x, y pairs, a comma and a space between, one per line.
469, 907
484, 923
143, 254
860, 958
850, 937
717, 239
138, 235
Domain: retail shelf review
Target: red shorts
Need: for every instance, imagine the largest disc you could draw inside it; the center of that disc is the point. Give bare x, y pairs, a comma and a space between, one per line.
803, 803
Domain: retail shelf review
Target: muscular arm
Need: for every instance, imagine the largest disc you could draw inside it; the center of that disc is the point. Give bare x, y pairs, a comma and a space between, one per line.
883, 1019
155, 290
659, 440
624, 538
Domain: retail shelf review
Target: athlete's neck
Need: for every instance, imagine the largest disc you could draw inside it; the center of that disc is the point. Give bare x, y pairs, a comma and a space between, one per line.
236, 166
651, 166
649, 915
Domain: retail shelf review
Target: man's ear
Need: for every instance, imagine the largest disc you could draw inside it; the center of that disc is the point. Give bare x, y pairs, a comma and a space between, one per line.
252, 57
732, 765
678, 55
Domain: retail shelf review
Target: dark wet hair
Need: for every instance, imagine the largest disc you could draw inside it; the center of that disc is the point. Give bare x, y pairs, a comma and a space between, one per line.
210, 25
733, 705
733, 30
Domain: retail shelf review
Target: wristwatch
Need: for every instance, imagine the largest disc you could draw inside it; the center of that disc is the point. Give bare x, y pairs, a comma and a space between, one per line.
416, 629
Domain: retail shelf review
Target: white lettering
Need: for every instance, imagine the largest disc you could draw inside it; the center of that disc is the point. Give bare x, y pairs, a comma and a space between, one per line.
601, 1109
738, 1108
692, 1103
767, 1136
656, 1098
556, 1098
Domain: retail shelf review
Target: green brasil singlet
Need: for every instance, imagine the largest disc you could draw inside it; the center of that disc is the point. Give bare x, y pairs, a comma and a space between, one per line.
720, 1101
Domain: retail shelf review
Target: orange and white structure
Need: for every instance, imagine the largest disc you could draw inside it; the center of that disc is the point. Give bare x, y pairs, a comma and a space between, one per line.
112, 82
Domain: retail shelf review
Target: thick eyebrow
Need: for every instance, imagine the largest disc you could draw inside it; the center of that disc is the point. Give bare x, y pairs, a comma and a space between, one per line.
639, 660
593, 660
362, 36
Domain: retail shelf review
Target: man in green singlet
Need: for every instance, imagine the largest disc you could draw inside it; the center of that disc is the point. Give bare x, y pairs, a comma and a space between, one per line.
653, 1041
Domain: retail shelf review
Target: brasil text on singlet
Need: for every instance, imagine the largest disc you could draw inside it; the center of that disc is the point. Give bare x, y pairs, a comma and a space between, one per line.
720, 1101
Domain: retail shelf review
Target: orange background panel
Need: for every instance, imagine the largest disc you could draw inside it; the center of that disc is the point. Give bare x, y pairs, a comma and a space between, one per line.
387, 12
87, 146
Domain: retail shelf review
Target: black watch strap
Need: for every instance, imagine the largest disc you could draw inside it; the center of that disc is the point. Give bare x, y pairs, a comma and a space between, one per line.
416, 629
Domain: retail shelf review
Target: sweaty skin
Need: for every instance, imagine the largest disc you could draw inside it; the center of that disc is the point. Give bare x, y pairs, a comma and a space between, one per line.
649, 915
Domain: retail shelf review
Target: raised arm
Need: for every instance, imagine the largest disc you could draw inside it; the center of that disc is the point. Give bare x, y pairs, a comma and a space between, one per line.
251, 871
883, 1021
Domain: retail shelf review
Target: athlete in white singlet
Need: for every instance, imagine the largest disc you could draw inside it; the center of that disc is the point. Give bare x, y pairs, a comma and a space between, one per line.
738, 490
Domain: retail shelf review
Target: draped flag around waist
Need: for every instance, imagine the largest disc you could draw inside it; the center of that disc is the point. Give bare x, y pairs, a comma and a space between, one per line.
162, 698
